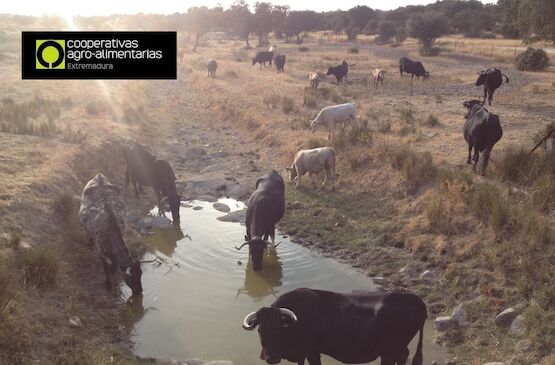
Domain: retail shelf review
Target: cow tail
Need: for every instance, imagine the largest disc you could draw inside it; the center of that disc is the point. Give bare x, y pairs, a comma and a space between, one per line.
417, 359
506, 78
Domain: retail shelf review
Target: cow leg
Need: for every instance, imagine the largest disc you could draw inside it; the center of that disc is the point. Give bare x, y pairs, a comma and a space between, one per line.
273, 233
135, 187
161, 206
490, 96
314, 359
469, 153
485, 160
475, 158
325, 180
127, 177
485, 94
300, 362
107, 270
402, 356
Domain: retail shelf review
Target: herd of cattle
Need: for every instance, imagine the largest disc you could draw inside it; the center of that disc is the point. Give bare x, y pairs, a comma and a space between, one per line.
304, 323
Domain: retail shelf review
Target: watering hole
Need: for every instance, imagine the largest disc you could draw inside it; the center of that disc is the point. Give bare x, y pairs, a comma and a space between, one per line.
194, 303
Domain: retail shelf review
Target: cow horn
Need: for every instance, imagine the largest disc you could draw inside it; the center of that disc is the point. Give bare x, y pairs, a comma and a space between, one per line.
289, 313
243, 245
249, 323
274, 246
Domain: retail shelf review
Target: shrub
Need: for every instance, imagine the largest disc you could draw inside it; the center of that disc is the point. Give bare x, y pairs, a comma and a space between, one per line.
489, 205
271, 101
63, 206
518, 166
431, 121
287, 104
303, 49
543, 193
40, 267
407, 115
352, 50
417, 168
383, 126
14, 240
438, 220
239, 55
533, 59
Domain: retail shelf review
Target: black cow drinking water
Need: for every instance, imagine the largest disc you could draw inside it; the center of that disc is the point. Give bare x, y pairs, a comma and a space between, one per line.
491, 79
351, 328
482, 130
103, 214
340, 71
143, 168
262, 58
264, 209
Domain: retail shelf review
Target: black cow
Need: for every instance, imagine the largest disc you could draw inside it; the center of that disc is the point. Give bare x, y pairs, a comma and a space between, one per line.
340, 71
264, 209
279, 60
351, 328
211, 66
491, 79
143, 168
482, 131
262, 58
415, 68
103, 214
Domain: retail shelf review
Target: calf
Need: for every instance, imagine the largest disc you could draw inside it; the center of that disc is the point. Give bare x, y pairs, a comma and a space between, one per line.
378, 75
262, 58
482, 130
340, 71
313, 161
143, 168
335, 114
211, 66
265, 208
103, 214
313, 79
279, 60
491, 79
352, 328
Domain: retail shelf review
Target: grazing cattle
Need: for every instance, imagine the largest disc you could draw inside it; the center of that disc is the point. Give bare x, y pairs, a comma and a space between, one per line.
143, 168
351, 328
264, 209
279, 60
211, 66
262, 58
482, 130
103, 214
340, 71
313, 161
491, 79
313, 79
335, 114
378, 75
414, 68
273, 49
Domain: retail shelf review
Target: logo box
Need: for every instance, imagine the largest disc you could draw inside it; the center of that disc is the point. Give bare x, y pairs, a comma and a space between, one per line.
99, 55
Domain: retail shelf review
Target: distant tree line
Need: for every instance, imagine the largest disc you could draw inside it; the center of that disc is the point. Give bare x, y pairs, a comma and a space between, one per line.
530, 20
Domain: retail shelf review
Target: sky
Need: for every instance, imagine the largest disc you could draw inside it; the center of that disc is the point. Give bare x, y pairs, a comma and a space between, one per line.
107, 7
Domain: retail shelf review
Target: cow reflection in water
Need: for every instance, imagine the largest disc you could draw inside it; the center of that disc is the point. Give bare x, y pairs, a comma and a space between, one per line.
165, 240
259, 284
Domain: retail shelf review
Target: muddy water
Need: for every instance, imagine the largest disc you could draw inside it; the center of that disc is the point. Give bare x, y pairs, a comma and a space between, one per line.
193, 304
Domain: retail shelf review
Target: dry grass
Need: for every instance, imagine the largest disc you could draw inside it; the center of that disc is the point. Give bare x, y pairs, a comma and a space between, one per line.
40, 267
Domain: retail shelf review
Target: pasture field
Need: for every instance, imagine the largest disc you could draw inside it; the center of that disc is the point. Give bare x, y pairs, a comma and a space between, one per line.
405, 201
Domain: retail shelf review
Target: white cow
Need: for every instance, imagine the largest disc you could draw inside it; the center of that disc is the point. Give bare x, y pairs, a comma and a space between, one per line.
378, 75
335, 114
313, 79
313, 161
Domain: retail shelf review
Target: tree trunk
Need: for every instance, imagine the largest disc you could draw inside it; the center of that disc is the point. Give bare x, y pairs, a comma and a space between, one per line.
197, 39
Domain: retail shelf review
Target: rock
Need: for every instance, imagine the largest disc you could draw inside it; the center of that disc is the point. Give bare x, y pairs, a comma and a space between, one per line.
459, 315
506, 317
195, 152
427, 274
197, 208
523, 346
221, 207
379, 280
237, 216
159, 221
444, 323
517, 326
75, 322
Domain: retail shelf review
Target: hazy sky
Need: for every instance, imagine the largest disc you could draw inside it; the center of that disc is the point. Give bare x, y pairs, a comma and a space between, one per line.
106, 7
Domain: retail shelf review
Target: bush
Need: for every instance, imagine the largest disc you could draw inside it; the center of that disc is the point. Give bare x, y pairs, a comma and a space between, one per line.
417, 168
383, 126
352, 50
431, 121
438, 220
407, 115
489, 205
533, 59
271, 101
14, 240
40, 268
63, 206
303, 49
287, 104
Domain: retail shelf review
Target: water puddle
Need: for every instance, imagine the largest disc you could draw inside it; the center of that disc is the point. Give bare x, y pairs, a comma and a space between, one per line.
193, 305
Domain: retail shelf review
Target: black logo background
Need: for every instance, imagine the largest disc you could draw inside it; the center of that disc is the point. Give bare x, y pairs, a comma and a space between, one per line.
164, 68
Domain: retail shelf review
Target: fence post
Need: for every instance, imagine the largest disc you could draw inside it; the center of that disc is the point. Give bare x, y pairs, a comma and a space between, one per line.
491, 54
514, 56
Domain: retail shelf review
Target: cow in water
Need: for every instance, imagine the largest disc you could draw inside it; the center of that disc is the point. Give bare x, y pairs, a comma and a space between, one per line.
491, 79
352, 328
103, 214
482, 130
144, 168
265, 208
